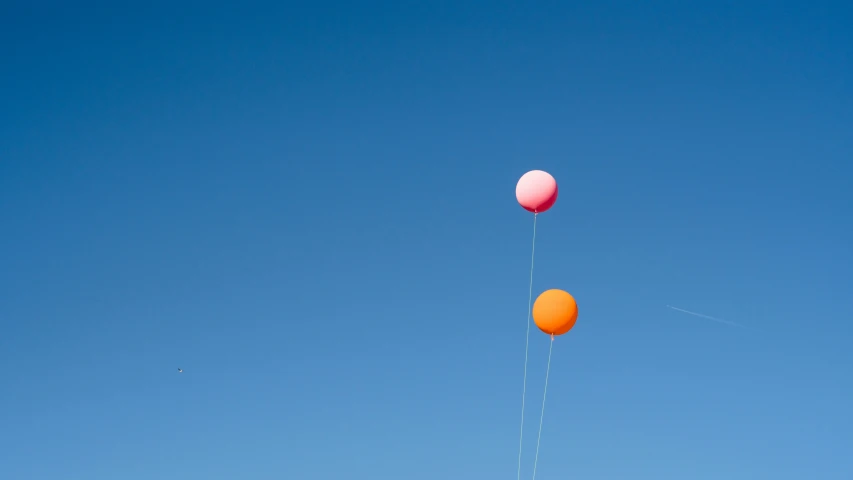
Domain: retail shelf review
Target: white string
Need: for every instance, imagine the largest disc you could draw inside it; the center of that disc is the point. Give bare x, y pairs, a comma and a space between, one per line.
526, 345
543, 407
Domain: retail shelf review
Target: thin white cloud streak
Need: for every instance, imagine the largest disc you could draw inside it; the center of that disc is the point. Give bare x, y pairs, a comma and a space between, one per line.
720, 320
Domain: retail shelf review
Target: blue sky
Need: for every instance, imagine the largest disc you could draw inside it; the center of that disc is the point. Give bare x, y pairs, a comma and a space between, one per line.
310, 209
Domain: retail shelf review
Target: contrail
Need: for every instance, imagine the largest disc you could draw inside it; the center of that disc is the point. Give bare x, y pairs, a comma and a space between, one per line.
720, 320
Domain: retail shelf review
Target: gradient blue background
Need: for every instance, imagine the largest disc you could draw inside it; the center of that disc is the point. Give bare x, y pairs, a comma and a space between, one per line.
310, 209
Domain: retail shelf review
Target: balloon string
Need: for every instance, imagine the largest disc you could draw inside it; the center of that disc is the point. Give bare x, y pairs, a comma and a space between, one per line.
542, 416
526, 345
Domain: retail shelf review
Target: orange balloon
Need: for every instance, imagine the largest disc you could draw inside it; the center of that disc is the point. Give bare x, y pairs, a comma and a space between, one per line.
555, 312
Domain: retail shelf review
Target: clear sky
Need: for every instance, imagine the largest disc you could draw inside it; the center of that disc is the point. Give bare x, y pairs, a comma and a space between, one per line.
310, 209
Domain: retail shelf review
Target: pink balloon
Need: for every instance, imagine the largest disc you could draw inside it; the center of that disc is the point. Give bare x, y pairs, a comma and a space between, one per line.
536, 191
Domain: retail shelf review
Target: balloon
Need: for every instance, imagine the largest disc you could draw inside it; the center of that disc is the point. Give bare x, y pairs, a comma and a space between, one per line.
555, 312
536, 191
